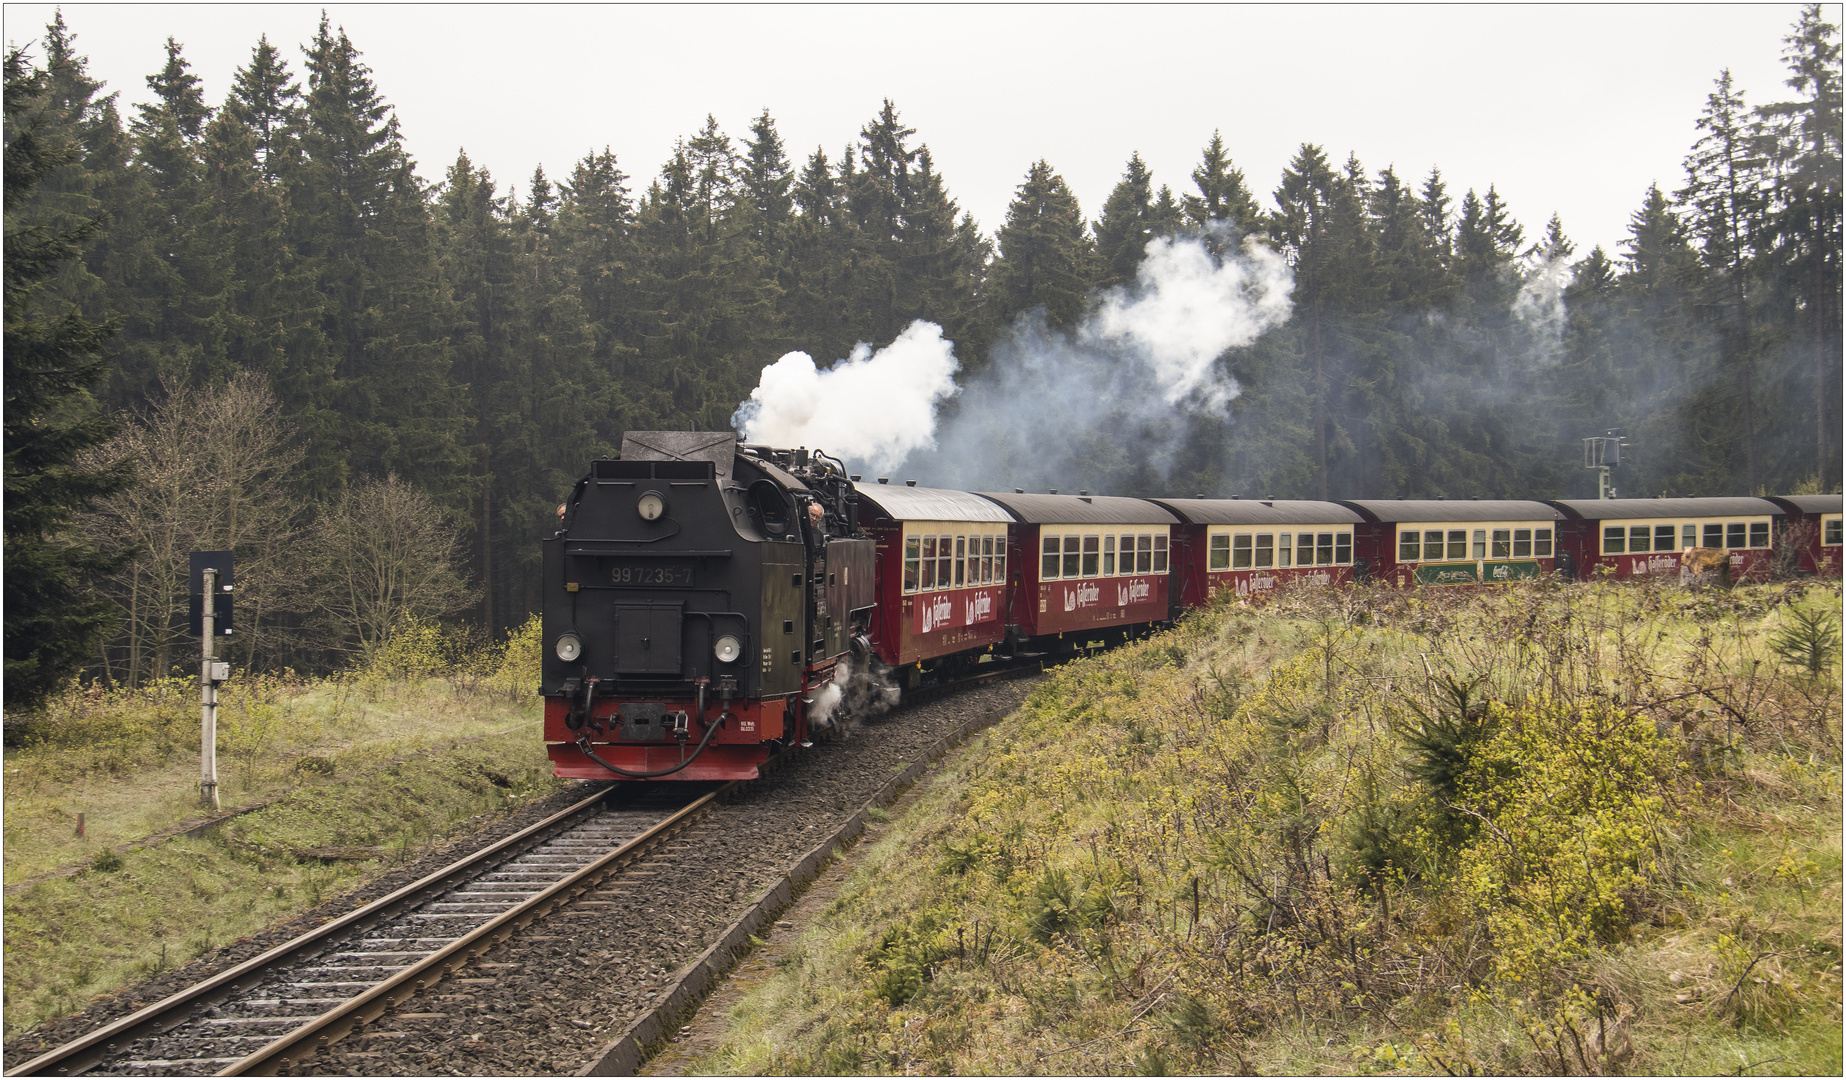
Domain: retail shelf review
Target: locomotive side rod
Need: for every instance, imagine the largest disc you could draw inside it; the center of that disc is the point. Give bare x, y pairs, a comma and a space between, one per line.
79, 1054
334, 1024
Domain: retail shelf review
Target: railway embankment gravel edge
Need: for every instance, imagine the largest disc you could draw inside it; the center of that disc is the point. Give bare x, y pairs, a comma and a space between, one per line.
690, 986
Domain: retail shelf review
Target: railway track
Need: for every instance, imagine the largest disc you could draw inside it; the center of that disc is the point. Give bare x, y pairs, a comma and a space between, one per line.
286, 1003
422, 953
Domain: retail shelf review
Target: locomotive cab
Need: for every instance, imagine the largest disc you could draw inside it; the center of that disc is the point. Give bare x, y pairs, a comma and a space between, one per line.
697, 598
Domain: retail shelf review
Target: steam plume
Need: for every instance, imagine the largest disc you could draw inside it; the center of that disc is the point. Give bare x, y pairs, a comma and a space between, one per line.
1187, 307
1112, 399
874, 407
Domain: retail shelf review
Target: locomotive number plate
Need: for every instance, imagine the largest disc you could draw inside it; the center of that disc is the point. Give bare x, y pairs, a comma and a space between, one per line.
650, 574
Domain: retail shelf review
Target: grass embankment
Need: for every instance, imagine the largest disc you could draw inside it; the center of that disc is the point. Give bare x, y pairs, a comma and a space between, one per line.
390, 756
1548, 829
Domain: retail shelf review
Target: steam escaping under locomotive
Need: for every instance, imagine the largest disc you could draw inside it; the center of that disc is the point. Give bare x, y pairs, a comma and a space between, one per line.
706, 602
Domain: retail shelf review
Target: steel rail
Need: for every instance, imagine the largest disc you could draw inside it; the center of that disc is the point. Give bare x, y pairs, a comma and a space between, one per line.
80, 1054
337, 1022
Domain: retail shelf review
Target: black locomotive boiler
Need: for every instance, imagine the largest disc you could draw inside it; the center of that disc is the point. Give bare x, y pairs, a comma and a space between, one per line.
699, 600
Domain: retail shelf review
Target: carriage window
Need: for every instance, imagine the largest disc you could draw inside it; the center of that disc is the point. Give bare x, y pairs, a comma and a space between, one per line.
1614, 540
1073, 557
1688, 536
1480, 544
1458, 543
1831, 531
929, 562
1144, 553
1522, 543
1734, 534
1108, 554
1637, 538
1000, 558
961, 557
945, 554
1502, 543
1220, 553
1409, 547
1240, 552
1265, 550
1160, 554
1663, 538
1048, 566
1323, 556
1541, 543
912, 546
1714, 536
1285, 550
1342, 548
1092, 555
987, 559
1432, 545
1759, 534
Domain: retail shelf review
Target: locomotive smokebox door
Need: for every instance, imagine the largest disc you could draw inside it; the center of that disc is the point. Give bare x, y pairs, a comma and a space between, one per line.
647, 639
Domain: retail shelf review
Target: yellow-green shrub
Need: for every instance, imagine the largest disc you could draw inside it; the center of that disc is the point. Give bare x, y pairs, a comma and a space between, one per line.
1569, 803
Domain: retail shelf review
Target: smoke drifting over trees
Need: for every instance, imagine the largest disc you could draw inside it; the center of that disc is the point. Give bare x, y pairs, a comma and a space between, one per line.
1341, 332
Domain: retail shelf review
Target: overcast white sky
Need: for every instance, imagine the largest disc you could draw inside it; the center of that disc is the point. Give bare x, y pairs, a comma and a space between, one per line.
1573, 110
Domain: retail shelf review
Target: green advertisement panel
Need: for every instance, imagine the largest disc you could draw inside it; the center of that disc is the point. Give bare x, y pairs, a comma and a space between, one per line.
1449, 574
1525, 570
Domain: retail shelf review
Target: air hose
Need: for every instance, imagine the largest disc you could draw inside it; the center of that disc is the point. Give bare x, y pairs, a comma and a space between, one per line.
583, 744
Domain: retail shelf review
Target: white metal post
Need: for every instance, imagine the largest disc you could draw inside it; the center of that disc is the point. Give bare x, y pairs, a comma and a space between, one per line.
208, 699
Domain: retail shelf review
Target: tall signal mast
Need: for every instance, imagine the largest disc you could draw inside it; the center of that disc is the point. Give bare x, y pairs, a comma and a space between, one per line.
1603, 453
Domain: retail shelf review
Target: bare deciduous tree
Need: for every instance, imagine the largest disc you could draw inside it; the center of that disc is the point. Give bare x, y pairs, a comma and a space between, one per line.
381, 552
213, 465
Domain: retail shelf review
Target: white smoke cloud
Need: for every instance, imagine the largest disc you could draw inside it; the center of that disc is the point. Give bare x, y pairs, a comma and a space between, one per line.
1117, 394
1539, 305
1187, 307
873, 407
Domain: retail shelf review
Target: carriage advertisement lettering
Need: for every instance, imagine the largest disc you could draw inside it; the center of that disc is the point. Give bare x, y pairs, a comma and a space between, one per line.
934, 612
1105, 599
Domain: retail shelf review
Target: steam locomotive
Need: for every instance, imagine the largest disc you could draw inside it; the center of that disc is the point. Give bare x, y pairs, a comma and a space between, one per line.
707, 602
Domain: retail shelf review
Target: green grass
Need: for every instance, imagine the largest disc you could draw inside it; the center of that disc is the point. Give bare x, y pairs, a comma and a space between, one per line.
390, 756
70, 939
1634, 865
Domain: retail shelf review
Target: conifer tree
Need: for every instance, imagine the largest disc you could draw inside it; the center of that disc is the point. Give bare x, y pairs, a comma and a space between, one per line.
174, 290
359, 212
1724, 197
1805, 226
1044, 252
1223, 195
1124, 227
54, 621
265, 97
816, 301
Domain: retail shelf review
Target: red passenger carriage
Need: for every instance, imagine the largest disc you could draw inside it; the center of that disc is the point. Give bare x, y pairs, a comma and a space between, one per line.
1438, 542
1637, 538
942, 573
1085, 568
1252, 547
1814, 522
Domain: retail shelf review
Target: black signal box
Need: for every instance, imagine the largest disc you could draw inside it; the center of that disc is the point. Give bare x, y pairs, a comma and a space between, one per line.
221, 600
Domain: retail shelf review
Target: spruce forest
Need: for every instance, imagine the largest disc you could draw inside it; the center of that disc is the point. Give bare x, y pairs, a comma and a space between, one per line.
254, 326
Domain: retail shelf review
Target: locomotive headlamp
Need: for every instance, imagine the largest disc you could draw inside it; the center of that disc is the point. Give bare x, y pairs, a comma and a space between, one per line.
727, 649
650, 506
570, 647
